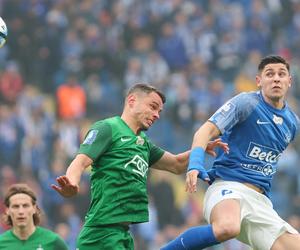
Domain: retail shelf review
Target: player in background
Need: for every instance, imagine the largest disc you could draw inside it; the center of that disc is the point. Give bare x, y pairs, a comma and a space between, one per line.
23, 215
121, 154
258, 127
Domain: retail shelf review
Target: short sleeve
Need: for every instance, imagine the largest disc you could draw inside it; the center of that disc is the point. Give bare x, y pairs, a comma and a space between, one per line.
97, 140
236, 110
155, 153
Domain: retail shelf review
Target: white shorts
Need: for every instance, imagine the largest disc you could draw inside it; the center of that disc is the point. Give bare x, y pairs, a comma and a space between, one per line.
260, 224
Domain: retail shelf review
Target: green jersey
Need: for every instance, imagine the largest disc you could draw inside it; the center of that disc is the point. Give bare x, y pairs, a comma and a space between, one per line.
119, 172
41, 239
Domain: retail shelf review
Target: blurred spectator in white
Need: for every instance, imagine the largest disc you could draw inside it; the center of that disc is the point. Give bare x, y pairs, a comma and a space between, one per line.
156, 70
206, 38
68, 138
38, 140
134, 72
11, 136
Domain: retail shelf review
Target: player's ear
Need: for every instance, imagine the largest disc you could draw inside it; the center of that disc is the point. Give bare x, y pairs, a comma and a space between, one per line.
258, 81
35, 208
131, 99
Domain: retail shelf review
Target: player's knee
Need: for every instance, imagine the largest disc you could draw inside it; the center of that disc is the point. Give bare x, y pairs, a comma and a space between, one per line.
226, 230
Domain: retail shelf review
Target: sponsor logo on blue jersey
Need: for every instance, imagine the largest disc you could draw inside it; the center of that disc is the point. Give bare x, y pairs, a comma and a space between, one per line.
266, 170
263, 153
267, 156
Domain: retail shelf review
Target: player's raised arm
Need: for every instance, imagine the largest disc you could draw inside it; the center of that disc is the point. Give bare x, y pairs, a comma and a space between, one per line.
68, 185
196, 163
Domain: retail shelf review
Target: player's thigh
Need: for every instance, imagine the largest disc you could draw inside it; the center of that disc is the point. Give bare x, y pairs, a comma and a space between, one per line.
105, 238
218, 192
262, 225
226, 219
287, 241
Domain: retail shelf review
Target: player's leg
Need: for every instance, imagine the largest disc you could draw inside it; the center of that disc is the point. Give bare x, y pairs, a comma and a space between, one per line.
225, 218
287, 241
262, 228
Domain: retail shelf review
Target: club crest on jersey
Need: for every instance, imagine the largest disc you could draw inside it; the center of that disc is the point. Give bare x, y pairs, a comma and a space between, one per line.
277, 119
140, 141
138, 164
91, 137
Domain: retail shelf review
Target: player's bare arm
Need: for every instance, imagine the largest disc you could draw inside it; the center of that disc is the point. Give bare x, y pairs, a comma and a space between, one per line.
177, 164
201, 139
68, 185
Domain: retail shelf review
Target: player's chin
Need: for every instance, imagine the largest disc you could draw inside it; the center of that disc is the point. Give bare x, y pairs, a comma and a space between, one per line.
278, 92
145, 126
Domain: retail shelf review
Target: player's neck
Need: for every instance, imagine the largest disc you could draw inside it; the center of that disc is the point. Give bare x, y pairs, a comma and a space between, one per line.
23, 233
277, 103
130, 123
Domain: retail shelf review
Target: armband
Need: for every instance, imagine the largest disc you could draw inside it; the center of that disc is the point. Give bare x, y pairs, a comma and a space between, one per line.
196, 162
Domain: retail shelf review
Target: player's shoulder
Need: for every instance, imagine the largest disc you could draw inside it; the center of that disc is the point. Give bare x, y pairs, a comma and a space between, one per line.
5, 235
108, 122
45, 232
49, 237
42, 230
245, 101
246, 97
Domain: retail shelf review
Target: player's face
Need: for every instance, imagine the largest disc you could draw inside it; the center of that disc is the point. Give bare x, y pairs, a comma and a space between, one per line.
21, 210
147, 109
274, 82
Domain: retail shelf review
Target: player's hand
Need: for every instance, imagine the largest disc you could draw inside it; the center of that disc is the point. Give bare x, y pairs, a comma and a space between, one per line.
65, 188
210, 149
191, 181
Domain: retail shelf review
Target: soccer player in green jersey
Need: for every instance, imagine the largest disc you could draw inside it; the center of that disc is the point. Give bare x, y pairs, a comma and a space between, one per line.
23, 215
120, 154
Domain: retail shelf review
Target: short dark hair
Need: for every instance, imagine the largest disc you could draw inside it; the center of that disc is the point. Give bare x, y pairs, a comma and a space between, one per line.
272, 59
21, 188
146, 88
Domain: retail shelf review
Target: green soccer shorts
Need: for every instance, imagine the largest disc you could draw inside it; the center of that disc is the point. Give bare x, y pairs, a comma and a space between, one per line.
105, 237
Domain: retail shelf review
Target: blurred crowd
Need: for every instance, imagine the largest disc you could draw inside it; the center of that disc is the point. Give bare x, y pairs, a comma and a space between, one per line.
67, 63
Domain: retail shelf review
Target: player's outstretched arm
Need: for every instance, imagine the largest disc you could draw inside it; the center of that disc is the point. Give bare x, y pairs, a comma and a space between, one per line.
68, 185
177, 164
196, 162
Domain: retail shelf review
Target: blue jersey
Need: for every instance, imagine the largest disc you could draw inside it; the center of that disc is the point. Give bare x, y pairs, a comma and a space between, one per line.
257, 134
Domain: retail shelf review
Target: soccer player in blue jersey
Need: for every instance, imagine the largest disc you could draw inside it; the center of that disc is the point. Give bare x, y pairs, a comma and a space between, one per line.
258, 126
